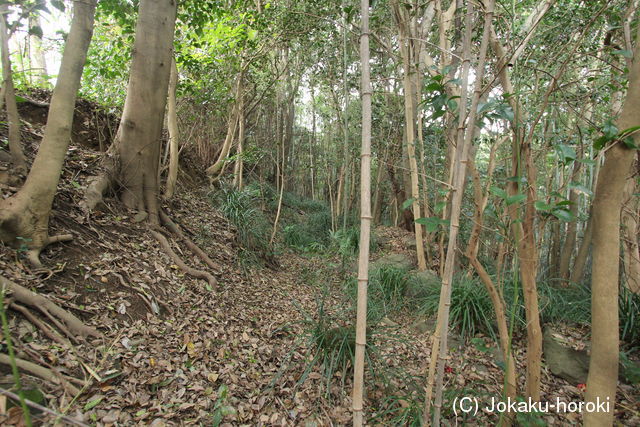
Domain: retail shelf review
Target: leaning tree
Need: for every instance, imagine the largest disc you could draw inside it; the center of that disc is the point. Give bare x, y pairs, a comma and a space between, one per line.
24, 217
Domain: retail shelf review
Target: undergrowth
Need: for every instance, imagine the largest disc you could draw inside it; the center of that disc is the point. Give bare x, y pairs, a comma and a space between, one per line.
253, 227
629, 313
471, 310
385, 291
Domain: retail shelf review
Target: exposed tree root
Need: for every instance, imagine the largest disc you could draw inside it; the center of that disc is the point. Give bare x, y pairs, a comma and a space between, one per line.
33, 255
43, 409
42, 372
46, 329
71, 325
174, 228
189, 270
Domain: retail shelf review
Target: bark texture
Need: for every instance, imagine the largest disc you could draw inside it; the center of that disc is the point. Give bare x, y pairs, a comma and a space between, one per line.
133, 159
17, 156
172, 124
24, 218
607, 204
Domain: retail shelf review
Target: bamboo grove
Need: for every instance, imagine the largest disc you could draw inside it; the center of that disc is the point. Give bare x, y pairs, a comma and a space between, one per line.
502, 134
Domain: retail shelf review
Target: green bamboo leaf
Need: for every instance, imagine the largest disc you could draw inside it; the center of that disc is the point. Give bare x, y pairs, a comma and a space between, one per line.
408, 203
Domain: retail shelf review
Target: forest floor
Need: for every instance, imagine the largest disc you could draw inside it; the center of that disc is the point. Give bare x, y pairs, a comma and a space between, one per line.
178, 351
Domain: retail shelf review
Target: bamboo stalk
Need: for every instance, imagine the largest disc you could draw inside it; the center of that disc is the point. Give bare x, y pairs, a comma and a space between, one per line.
365, 221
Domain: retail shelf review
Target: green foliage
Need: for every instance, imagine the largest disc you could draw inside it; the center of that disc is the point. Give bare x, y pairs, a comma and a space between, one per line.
401, 410
331, 343
571, 304
239, 207
471, 310
386, 290
221, 407
629, 313
347, 241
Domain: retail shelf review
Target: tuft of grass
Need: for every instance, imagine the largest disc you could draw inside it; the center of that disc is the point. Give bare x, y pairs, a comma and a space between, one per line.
346, 242
629, 314
239, 207
471, 310
386, 290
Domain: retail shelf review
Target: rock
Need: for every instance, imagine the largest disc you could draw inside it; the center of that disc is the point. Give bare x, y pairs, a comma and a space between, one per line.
573, 365
382, 241
455, 341
425, 325
481, 369
388, 322
422, 284
498, 356
409, 242
565, 362
399, 261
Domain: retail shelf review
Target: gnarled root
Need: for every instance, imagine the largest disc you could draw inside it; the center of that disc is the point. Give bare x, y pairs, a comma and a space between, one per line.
175, 229
33, 255
42, 372
99, 184
71, 325
189, 270
46, 329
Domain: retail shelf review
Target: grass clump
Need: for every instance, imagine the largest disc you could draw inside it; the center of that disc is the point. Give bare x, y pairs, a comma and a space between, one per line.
330, 343
629, 314
346, 242
386, 291
471, 309
240, 208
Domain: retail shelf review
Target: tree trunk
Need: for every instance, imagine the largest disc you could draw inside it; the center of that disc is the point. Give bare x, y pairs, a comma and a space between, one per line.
138, 138
570, 237
577, 272
524, 229
466, 131
215, 170
607, 204
630, 233
172, 124
15, 146
365, 220
403, 21
26, 214
36, 55
238, 169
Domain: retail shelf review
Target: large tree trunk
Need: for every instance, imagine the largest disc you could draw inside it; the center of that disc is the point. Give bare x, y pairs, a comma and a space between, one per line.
133, 158
603, 364
138, 138
26, 214
15, 147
